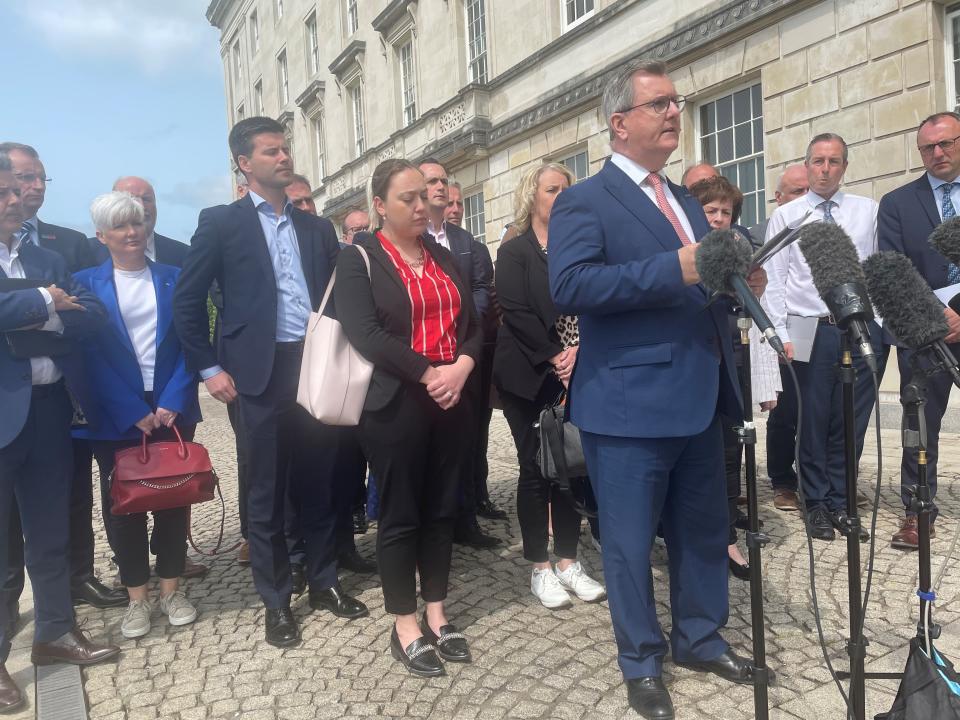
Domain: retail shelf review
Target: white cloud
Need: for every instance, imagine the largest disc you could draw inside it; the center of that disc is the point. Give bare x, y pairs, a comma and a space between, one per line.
200, 193
155, 35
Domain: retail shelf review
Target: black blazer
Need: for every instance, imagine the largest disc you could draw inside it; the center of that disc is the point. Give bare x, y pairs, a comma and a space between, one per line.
474, 265
528, 338
71, 245
375, 314
229, 247
169, 251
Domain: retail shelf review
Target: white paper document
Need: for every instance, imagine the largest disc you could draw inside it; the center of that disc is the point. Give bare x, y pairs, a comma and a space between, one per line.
946, 294
802, 332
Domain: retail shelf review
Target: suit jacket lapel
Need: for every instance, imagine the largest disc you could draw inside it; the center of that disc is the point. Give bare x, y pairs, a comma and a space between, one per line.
251, 219
629, 194
928, 200
376, 253
305, 240
105, 289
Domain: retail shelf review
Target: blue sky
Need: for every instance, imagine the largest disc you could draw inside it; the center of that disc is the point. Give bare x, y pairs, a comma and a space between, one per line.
104, 88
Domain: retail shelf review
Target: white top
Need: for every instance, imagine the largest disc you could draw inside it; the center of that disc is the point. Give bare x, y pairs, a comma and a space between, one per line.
43, 371
439, 235
639, 174
138, 308
764, 368
790, 289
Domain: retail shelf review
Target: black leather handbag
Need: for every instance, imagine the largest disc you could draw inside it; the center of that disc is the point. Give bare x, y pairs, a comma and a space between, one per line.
560, 458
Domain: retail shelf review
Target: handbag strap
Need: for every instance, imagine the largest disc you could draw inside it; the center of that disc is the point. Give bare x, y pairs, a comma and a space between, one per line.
144, 453
223, 518
333, 277
554, 428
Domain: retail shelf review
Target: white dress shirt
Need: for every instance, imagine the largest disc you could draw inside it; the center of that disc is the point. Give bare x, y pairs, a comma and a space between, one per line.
790, 289
440, 235
42, 369
137, 300
638, 174
152, 247
935, 184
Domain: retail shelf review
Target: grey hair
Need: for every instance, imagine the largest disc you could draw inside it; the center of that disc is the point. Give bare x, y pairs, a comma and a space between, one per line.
618, 92
5, 164
825, 137
115, 208
8, 147
458, 186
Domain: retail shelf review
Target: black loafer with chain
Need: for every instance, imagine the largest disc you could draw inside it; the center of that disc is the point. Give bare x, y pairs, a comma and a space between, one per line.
419, 657
451, 645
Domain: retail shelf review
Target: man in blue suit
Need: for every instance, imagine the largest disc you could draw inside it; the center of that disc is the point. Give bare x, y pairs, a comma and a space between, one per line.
654, 371
905, 220
272, 263
36, 458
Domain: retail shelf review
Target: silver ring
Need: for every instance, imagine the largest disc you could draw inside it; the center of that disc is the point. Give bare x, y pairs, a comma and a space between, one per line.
449, 394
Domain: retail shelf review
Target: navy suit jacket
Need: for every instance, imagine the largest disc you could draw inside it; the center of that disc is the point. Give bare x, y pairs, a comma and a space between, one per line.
72, 245
22, 308
113, 371
229, 247
474, 265
649, 363
169, 251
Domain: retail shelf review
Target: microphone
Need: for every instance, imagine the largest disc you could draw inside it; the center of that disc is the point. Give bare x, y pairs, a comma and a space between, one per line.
723, 259
839, 279
910, 310
945, 239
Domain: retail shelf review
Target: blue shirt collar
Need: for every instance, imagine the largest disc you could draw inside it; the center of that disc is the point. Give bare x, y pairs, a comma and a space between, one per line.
937, 182
259, 202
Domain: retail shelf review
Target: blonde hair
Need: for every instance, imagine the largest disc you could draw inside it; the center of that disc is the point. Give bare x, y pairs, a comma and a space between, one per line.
526, 194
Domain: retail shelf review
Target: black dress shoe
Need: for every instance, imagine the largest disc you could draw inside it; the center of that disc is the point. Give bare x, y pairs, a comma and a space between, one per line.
297, 579
473, 536
360, 522
648, 697
93, 592
741, 572
451, 645
10, 696
486, 509
727, 665
840, 521
282, 628
821, 525
419, 657
355, 562
742, 522
338, 602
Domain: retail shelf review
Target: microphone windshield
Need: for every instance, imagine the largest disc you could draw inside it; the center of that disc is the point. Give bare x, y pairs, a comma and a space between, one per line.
831, 255
723, 253
945, 239
908, 306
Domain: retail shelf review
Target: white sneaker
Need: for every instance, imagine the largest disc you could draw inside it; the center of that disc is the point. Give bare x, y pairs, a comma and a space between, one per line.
580, 584
547, 589
177, 608
136, 621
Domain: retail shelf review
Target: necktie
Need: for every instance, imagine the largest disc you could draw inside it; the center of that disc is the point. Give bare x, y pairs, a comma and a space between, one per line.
654, 181
827, 215
948, 211
25, 232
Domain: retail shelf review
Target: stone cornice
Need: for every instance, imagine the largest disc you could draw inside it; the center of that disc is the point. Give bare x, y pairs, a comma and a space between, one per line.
286, 118
348, 56
393, 12
217, 12
311, 97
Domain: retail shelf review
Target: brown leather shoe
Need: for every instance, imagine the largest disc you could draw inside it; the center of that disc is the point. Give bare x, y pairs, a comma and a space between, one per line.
10, 696
243, 554
192, 570
908, 536
786, 500
73, 648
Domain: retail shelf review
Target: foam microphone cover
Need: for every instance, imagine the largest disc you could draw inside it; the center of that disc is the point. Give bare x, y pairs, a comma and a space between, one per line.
945, 239
831, 255
723, 253
903, 299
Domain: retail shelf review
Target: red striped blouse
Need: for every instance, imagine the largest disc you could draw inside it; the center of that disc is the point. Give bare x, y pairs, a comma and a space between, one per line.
434, 305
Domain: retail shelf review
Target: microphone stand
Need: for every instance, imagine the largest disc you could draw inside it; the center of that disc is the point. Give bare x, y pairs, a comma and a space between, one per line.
747, 436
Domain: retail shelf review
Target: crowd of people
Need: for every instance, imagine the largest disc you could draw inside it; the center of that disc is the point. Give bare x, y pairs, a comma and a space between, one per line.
594, 302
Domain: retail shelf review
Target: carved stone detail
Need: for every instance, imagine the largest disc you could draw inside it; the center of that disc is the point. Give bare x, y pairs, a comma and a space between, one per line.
453, 118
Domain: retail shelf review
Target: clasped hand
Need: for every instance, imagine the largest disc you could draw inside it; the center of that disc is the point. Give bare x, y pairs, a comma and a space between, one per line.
152, 421
563, 363
445, 382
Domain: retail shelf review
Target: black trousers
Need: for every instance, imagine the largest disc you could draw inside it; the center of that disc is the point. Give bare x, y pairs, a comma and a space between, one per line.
782, 436
35, 476
127, 534
732, 463
419, 455
534, 492
288, 450
484, 413
233, 414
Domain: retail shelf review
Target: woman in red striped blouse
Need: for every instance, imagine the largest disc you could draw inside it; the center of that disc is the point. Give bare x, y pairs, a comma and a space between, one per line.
414, 319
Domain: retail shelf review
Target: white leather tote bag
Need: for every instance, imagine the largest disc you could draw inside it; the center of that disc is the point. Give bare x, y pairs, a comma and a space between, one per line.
333, 376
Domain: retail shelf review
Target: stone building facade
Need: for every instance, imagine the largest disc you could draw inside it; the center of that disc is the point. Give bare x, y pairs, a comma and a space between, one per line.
493, 86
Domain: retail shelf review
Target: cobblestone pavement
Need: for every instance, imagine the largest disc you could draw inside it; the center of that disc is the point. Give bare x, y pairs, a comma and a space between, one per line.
530, 662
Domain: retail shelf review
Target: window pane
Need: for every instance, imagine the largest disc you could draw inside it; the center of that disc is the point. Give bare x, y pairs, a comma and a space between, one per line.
748, 176
708, 118
725, 146
725, 112
730, 173
710, 149
743, 142
741, 106
758, 135
757, 97
748, 217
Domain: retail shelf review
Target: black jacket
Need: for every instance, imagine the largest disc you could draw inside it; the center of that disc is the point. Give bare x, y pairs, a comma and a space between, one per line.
71, 245
472, 260
528, 338
229, 247
169, 251
375, 314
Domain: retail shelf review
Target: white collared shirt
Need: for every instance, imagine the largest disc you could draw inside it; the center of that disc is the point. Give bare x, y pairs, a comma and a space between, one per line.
152, 247
42, 369
935, 184
790, 289
638, 174
439, 235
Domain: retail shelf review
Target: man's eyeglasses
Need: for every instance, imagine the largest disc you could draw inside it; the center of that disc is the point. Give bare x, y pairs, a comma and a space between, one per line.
354, 230
660, 105
31, 178
943, 145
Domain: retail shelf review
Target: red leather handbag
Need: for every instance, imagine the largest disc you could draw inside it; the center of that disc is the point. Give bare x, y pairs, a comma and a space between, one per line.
160, 476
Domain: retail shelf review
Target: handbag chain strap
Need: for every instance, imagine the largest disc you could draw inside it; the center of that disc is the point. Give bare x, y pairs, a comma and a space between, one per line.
170, 486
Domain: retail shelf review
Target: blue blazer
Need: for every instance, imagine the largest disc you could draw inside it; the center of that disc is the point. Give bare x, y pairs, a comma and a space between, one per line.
22, 308
112, 368
655, 360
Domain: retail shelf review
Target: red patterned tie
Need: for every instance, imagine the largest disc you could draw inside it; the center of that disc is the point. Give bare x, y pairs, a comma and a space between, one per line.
657, 184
